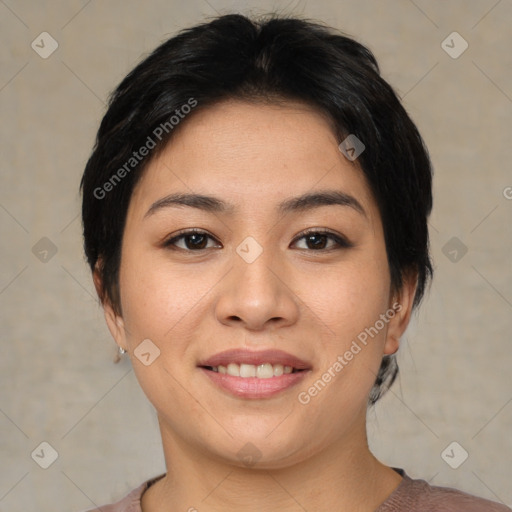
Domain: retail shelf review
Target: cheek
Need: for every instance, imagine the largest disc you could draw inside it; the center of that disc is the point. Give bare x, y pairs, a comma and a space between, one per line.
351, 301
351, 298
154, 296
158, 305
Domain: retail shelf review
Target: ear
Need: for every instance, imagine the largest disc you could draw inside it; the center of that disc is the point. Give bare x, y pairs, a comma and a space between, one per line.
401, 303
115, 322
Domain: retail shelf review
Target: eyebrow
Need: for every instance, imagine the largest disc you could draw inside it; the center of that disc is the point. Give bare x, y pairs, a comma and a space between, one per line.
305, 202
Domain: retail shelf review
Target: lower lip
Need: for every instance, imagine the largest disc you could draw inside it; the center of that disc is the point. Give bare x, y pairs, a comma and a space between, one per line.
252, 387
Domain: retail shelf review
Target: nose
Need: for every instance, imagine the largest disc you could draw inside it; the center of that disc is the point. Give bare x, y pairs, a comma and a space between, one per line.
257, 295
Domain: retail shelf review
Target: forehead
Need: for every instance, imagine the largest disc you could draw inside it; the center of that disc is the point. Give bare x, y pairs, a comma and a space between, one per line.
253, 155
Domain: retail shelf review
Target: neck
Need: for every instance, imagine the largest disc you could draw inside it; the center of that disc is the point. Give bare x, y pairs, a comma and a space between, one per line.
345, 476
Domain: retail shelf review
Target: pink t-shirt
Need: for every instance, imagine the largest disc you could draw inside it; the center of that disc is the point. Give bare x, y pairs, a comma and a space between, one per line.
410, 496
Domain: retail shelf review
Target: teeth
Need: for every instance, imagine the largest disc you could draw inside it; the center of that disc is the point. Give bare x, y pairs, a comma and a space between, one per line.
247, 370
262, 371
233, 369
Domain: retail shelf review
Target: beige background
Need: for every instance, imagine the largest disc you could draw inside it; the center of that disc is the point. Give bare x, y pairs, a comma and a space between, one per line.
57, 376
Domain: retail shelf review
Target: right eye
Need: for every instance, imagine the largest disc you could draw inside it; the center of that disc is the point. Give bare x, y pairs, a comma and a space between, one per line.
193, 239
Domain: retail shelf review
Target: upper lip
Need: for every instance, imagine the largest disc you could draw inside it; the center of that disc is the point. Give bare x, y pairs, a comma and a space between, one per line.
243, 356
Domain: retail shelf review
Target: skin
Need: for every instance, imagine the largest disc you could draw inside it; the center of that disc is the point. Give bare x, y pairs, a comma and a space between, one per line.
309, 302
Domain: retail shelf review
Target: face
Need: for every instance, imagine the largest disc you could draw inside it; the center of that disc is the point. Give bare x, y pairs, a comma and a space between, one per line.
307, 281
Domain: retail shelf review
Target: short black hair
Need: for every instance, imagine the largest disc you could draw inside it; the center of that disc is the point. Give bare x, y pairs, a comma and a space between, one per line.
268, 59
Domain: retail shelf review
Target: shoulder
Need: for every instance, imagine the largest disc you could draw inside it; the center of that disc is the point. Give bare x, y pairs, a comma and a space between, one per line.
131, 502
418, 495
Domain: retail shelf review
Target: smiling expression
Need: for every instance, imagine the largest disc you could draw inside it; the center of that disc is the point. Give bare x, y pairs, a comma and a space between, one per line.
251, 232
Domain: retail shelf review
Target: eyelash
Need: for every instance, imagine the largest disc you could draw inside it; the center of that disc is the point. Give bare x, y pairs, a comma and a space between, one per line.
341, 242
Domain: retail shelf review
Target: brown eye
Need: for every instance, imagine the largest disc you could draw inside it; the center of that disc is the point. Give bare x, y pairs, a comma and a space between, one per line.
193, 240
317, 240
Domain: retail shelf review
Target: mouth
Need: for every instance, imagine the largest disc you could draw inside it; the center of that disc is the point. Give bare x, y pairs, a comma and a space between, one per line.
255, 375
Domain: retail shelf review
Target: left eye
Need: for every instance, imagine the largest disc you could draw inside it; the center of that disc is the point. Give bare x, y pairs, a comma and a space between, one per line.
319, 239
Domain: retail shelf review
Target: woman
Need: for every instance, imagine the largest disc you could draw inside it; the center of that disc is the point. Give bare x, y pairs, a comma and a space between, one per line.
255, 217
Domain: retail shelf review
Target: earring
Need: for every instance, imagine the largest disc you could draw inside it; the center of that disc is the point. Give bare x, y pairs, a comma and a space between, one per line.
122, 350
